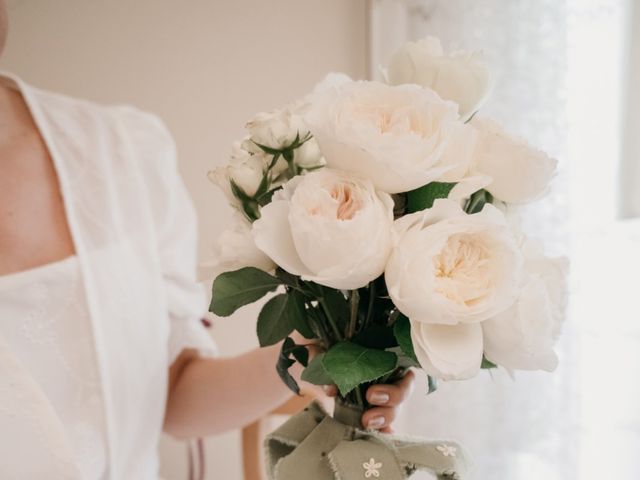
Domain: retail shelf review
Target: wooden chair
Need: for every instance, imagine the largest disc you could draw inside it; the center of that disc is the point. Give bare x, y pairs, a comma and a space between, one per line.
253, 434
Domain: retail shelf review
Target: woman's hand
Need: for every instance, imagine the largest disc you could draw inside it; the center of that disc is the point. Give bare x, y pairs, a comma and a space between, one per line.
387, 401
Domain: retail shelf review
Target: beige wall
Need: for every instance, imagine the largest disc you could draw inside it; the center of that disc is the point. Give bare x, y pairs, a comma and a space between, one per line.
205, 67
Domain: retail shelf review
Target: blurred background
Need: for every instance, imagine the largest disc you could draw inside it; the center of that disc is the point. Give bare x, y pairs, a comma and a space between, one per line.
565, 77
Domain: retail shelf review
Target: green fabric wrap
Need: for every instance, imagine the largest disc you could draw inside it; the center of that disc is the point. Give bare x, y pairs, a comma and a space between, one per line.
314, 446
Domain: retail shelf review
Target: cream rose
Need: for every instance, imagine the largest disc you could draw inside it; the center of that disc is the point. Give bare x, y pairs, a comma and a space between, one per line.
279, 128
328, 227
395, 136
236, 248
519, 173
523, 336
460, 76
448, 272
459, 156
247, 170
308, 155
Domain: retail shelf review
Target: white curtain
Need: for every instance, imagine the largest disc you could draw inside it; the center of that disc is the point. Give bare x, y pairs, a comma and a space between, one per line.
558, 67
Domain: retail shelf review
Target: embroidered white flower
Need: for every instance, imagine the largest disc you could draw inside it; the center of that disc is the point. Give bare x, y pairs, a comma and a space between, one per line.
447, 450
371, 468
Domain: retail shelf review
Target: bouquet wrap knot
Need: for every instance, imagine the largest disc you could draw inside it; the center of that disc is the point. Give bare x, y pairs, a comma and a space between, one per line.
319, 447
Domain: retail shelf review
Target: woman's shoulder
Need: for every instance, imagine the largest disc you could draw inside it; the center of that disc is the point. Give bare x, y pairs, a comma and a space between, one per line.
121, 132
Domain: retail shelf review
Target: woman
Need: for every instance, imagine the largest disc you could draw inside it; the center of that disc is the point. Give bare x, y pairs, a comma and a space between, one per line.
101, 343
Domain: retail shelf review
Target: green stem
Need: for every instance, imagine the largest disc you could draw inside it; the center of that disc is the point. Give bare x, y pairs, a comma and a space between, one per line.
319, 327
332, 322
372, 297
354, 300
359, 397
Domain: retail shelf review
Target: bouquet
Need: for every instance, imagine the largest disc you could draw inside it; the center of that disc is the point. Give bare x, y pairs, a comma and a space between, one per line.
382, 216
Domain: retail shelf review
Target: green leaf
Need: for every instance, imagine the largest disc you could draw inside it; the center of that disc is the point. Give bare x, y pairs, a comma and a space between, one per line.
402, 332
350, 365
288, 155
263, 187
238, 192
251, 210
285, 362
477, 201
315, 372
278, 318
337, 304
301, 320
487, 364
232, 290
376, 336
403, 360
288, 278
301, 354
423, 197
269, 150
266, 198
432, 384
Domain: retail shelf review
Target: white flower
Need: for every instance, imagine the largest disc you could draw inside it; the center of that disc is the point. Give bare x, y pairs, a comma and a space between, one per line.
459, 155
328, 227
245, 169
277, 129
522, 337
460, 77
235, 249
519, 172
448, 272
393, 135
447, 450
331, 80
308, 155
372, 468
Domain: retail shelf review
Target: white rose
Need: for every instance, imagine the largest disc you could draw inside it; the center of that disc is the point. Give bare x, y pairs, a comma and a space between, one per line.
246, 170
277, 129
331, 80
393, 135
448, 272
460, 77
308, 155
235, 249
459, 155
522, 337
328, 227
519, 172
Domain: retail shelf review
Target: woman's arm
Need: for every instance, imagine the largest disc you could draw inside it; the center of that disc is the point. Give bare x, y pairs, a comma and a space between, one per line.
212, 395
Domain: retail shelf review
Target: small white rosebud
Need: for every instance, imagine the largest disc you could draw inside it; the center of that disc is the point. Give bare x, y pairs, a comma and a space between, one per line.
308, 155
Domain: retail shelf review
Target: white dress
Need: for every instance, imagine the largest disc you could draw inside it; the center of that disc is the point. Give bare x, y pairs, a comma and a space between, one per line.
45, 324
138, 304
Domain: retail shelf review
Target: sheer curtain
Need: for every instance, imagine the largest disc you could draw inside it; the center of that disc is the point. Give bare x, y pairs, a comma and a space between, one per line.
558, 70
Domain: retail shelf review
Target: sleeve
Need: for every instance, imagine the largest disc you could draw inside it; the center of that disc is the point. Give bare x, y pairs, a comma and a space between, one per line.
175, 222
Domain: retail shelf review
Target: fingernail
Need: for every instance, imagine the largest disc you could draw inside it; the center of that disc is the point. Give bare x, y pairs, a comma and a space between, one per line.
379, 398
376, 422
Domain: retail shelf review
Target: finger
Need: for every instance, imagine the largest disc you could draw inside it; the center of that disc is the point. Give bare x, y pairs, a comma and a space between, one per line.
330, 390
379, 418
391, 395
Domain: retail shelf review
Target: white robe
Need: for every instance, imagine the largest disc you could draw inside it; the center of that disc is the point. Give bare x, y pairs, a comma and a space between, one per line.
134, 231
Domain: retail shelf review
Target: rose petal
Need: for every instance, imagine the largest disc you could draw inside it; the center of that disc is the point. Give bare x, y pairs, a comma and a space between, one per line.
272, 234
522, 337
449, 352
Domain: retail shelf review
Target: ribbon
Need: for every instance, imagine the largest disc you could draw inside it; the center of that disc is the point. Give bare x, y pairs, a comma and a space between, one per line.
314, 446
